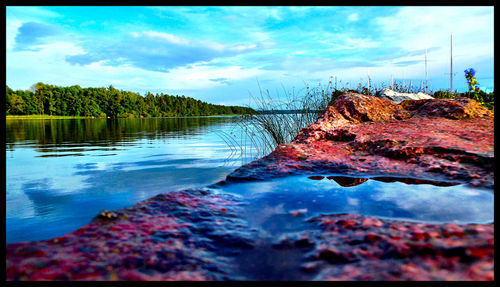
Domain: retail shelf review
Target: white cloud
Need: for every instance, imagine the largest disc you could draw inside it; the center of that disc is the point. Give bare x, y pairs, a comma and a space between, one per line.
344, 41
275, 13
439, 203
49, 65
198, 76
187, 42
168, 37
353, 17
11, 31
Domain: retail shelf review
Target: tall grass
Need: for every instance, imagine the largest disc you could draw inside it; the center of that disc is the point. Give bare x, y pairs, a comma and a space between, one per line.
280, 118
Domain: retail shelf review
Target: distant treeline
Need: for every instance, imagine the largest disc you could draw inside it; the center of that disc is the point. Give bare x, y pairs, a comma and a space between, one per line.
108, 102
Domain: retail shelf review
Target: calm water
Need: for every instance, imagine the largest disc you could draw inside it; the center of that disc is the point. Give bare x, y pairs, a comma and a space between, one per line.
62, 173
272, 204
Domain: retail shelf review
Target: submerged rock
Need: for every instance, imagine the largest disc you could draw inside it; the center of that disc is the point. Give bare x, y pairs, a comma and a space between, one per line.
400, 97
434, 139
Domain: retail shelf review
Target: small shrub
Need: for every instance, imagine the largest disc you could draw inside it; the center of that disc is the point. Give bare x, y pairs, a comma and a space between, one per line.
445, 94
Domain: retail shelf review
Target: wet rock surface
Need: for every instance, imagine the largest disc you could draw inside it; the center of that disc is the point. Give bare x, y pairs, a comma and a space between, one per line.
202, 235
355, 247
205, 234
187, 235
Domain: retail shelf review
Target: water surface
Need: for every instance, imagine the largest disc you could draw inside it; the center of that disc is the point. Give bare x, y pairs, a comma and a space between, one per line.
282, 205
61, 173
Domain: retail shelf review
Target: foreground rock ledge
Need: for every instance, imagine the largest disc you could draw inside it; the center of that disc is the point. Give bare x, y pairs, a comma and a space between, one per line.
434, 139
197, 235
201, 235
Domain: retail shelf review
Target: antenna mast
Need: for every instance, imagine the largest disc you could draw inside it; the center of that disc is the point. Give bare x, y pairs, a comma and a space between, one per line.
425, 70
451, 63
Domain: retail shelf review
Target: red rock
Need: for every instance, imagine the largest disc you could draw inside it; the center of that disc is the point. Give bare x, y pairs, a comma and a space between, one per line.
372, 237
362, 108
372, 222
434, 140
480, 252
453, 230
434, 234
347, 223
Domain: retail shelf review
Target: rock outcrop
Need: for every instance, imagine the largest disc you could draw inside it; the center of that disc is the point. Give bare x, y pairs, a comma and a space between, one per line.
400, 97
187, 235
442, 140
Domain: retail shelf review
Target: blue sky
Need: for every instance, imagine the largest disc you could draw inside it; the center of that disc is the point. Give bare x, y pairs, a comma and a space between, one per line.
222, 54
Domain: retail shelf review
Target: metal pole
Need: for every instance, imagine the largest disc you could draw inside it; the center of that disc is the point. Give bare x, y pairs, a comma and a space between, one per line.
368, 75
425, 70
403, 79
451, 63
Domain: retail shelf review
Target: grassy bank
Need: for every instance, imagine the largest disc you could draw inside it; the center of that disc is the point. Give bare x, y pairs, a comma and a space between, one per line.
41, 117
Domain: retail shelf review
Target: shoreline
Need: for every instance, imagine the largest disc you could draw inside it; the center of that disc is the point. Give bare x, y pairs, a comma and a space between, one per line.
47, 117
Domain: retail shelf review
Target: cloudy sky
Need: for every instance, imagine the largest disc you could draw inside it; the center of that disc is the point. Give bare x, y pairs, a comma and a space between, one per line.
223, 54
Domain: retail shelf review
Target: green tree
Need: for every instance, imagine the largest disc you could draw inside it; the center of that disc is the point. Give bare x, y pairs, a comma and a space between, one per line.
75, 101
17, 105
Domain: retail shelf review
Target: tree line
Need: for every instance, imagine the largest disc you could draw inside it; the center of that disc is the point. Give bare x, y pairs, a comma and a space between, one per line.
44, 99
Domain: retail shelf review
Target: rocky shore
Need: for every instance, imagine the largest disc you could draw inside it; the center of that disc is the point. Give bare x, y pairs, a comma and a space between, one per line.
448, 140
201, 234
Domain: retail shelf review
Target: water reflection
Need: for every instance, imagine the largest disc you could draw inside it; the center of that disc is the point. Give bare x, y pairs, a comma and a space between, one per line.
40, 192
61, 173
347, 181
51, 135
273, 206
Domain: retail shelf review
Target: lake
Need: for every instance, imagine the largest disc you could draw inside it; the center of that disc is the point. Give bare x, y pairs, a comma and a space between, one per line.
62, 173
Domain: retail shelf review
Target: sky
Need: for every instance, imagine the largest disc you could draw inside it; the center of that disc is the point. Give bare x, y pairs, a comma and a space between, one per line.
227, 55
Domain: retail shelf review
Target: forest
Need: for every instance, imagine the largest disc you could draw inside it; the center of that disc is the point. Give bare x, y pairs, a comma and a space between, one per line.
44, 99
